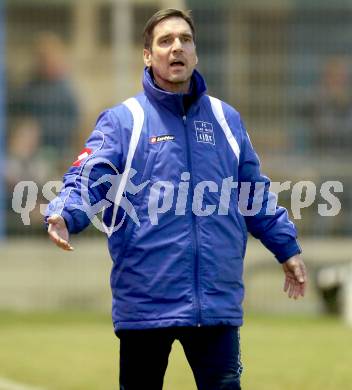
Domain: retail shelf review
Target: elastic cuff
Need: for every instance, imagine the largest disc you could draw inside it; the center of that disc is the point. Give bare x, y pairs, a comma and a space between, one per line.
288, 250
68, 220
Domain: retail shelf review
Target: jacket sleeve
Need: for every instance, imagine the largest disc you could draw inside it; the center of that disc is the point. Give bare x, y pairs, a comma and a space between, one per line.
83, 195
268, 222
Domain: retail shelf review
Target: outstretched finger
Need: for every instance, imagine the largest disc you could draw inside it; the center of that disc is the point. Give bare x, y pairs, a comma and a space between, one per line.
291, 288
303, 288
297, 290
303, 271
60, 242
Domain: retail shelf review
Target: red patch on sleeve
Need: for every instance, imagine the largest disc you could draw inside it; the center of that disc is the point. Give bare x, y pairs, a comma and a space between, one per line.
82, 156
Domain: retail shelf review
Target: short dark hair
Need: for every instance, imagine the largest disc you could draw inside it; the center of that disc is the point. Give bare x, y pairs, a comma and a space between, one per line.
162, 15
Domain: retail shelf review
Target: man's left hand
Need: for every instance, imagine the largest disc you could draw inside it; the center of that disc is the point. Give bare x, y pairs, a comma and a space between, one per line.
295, 277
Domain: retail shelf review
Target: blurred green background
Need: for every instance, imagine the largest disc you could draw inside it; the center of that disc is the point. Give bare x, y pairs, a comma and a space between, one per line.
286, 66
77, 351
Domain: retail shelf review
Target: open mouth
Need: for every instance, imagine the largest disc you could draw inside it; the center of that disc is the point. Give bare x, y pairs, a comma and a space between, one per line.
176, 63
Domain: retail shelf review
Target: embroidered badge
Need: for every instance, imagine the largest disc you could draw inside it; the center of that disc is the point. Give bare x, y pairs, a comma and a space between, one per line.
161, 138
204, 132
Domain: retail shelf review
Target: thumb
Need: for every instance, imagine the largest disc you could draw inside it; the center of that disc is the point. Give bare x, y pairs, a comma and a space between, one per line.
55, 218
298, 273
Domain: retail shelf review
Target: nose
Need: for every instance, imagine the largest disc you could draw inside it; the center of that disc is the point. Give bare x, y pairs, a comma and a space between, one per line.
177, 45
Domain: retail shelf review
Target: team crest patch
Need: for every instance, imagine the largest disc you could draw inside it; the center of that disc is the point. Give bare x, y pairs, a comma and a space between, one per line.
204, 132
161, 138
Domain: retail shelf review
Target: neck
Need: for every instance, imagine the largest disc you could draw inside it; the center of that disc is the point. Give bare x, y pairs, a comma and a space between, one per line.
182, 87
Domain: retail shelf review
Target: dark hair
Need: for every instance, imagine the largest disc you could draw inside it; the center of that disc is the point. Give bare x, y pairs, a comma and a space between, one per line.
162, 15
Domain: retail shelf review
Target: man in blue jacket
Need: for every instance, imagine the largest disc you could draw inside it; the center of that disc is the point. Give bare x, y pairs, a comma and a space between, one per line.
171, 169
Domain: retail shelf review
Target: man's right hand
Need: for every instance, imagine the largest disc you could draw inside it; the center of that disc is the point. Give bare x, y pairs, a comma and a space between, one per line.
58, 232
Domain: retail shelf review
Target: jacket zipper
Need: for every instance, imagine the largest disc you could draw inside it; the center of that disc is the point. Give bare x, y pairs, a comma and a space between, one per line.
194, 230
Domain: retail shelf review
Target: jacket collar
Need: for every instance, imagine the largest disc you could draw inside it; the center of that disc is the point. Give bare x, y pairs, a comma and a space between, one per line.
178, 103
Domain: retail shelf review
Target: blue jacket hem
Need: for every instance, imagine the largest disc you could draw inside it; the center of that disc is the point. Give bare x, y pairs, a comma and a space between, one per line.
176, 322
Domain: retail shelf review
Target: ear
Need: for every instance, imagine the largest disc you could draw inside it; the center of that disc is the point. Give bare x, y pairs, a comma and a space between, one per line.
196, 59
147, 57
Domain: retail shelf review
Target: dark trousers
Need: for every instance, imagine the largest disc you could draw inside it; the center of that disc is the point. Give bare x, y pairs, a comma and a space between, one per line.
213, 352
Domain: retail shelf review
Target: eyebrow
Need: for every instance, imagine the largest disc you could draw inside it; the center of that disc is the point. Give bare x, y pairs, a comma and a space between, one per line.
188, 35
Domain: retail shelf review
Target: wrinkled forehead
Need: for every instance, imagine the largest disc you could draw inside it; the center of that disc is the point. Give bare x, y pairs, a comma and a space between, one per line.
171, 26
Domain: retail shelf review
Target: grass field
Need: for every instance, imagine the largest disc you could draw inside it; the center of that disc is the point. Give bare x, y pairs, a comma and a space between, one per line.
78, 351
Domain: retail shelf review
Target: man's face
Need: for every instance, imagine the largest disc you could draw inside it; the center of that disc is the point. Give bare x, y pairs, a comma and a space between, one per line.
173, 55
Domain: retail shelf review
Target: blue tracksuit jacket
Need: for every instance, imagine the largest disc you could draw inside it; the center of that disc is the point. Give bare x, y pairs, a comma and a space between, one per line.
172, 162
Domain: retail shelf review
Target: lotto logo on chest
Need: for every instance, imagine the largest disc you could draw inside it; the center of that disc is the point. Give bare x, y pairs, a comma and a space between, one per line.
204, 132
